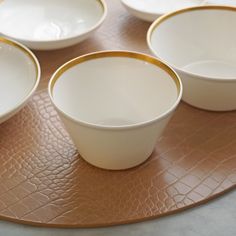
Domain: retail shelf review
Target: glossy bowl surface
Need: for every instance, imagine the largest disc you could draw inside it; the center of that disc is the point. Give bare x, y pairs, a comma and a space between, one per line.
50, 24
20, 75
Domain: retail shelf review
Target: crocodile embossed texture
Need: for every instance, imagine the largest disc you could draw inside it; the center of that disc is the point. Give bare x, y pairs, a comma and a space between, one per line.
43, 180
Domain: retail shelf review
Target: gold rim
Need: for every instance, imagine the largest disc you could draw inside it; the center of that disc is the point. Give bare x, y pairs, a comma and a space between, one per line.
102, 3
165, 17
25, 51
35, 62
105, 54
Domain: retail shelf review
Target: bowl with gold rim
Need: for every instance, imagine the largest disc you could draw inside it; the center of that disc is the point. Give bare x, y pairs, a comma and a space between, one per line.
199, 44
115, 105
20, 75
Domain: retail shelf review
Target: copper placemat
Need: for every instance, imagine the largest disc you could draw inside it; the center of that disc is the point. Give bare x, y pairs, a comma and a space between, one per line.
44, 182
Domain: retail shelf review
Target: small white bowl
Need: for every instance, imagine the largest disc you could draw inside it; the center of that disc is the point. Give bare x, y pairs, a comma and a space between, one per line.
150, 10
51, 24
199, 43
115, 105
20, 75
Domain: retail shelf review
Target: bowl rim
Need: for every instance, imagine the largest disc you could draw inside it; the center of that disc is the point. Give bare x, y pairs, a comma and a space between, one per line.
124, 2
34, 60
116, 53
89, 30
165, 17
157, 13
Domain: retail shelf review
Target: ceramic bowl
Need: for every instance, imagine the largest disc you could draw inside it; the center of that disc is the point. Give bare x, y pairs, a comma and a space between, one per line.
50, 24
20, 74
201, 49
150, 10
115, 105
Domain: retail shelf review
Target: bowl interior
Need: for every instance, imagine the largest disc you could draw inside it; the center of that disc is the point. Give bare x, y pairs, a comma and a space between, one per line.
115, 91
18, 76
48, 19
160, 6
200, 41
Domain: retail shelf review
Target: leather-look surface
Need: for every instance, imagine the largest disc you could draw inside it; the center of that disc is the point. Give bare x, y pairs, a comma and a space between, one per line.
43, 181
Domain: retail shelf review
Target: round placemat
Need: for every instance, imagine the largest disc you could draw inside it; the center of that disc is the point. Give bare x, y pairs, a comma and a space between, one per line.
43, 180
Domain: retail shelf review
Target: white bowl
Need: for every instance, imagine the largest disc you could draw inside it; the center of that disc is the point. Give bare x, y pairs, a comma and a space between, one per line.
115, 105
51, 24
150, 10
199, 43
20, 75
